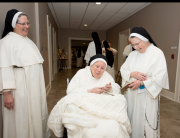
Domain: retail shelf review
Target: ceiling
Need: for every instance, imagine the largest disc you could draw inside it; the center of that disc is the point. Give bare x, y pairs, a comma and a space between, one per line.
74, 15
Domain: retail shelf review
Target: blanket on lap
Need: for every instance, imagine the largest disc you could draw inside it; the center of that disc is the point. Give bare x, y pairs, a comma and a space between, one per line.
90, 115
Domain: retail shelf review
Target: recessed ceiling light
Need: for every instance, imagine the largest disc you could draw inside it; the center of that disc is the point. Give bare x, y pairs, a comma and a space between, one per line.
98, 3
85, 24
83, 43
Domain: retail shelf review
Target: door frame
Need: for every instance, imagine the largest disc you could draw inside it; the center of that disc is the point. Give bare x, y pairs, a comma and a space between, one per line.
121, 45
69, 48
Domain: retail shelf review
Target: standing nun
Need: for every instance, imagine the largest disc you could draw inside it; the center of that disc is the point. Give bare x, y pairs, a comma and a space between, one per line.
94, 47
110, 57
146, 70
79, 55
22, 84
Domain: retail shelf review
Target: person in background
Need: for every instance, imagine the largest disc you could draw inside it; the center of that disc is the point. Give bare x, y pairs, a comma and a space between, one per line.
146, 71
79, 55
94, 47
110, 53
128, 49
22, 85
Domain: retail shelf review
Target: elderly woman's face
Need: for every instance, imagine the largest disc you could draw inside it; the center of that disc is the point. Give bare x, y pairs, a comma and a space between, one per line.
22, 29
97, 69
138, 44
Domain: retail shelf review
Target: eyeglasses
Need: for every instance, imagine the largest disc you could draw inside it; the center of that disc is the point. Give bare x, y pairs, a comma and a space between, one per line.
23, 24
135, 44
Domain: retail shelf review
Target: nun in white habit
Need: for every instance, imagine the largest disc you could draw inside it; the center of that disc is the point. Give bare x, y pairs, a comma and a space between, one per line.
94, 47
79, 55
146, 70
93, 106
22, 84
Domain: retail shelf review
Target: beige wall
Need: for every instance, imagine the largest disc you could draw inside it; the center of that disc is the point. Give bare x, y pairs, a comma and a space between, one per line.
65, 33
162, 21
43, 12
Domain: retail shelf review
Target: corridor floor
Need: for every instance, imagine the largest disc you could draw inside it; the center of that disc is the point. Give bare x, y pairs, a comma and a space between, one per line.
169, 110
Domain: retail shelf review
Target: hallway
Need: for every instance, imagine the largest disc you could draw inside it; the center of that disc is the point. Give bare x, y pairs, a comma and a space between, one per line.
169, 110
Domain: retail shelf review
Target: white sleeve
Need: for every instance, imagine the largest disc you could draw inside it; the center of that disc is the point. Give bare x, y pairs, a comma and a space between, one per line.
74, 85
159, 78
7, 79
87, 55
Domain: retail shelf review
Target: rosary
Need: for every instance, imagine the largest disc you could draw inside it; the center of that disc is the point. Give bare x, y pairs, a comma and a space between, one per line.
149, 123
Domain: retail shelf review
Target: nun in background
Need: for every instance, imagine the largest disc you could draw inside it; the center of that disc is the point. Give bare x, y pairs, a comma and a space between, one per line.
79, 55
22, 84
94, 47
128, 49
109, 54
146, 71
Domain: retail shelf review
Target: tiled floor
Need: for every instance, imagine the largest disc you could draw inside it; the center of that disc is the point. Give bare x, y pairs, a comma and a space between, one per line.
169, 110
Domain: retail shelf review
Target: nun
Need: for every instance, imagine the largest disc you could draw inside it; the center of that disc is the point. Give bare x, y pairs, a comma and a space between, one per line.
146, 71
94, 47
22, 84
79, 55
110, 56
94, 78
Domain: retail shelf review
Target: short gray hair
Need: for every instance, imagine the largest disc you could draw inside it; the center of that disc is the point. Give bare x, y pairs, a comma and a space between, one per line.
22, 14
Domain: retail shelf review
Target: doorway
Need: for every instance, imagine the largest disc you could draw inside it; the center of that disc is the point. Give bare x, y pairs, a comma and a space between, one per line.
70, 48
75, 45
122, 43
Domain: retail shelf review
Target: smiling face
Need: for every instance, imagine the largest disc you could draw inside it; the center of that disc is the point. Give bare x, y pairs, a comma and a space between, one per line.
97, 69
139, 44
22, 29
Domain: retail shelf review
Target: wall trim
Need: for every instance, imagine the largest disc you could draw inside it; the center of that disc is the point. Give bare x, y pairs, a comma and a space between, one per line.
37, 25
167, 94
177, 82
48, 88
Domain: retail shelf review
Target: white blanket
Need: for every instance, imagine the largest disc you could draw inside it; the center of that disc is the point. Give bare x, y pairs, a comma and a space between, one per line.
89, 115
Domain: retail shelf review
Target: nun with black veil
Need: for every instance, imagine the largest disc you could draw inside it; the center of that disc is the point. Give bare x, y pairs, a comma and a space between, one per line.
22, 83
110, 57
146, 71
94, 47
79, 58
93, 106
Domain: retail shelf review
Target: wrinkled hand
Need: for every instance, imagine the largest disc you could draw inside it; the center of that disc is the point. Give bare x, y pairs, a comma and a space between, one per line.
8, 100
138, 75
107, 87
96, 90
135, 84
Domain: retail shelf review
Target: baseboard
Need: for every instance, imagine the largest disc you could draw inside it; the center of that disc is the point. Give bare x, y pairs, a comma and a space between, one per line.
167, 94
48, 88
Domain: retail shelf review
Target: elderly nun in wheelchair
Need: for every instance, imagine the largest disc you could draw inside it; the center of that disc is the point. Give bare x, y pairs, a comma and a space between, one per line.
93, 106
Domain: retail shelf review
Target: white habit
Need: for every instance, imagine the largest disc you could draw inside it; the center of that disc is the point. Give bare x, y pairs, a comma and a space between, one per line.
79, 60
127, 50
29, 117
153, 64
90, 115
109, 69
91, 51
